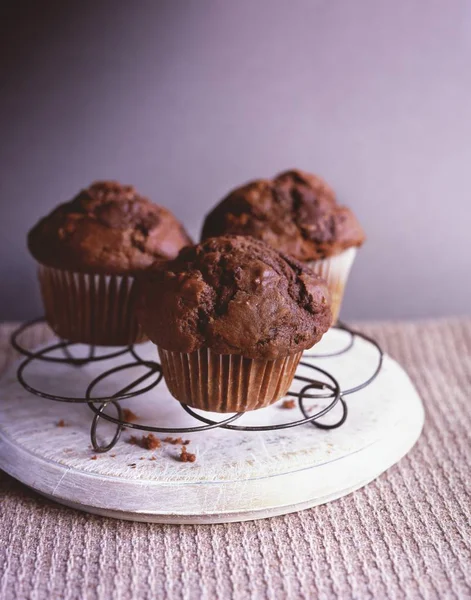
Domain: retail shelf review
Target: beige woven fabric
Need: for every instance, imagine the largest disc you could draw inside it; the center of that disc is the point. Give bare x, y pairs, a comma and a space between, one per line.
405, 536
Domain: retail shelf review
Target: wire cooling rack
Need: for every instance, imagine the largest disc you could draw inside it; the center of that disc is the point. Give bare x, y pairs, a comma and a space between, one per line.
327, 388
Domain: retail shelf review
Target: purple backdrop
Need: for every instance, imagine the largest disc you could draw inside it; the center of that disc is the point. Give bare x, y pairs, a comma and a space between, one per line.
188, 99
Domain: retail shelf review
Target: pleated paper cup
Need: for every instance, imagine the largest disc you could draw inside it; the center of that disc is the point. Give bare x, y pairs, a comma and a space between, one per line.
335, 270
226, 383
90, 309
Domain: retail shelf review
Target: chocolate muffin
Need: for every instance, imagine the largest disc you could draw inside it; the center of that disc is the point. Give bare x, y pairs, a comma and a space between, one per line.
89, 251
296, 213
231, 318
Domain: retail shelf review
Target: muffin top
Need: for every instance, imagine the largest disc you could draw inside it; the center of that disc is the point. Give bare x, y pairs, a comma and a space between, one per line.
295, 212
234, 295
107, 228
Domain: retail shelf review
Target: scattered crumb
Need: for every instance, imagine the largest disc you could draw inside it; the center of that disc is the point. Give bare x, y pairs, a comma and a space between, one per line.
142, 458
148, 442
132, 465
187, 456
113, 455
61, 423
288, 404
128, 415
152, 458
179, 440
94, 457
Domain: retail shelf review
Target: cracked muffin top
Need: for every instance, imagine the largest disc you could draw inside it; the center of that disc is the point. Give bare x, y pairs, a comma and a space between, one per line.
295, 212
107, 228
234, 295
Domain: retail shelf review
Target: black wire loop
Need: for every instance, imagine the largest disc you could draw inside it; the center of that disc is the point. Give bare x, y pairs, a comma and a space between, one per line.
64, 346
326, 389
93, 431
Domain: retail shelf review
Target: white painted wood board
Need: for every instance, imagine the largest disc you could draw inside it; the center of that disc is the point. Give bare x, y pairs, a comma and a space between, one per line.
237, 475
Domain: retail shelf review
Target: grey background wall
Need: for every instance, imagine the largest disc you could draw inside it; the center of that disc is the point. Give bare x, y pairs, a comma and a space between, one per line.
188, 99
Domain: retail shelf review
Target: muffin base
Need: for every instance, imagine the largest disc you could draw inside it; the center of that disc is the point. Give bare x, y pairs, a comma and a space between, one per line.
226, 383
90, 309
335, 270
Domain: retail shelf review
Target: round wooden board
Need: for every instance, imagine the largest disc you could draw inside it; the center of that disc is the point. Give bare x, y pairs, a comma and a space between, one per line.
237, 476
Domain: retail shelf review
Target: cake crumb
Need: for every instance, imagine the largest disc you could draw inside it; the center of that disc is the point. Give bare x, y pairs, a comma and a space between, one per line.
178, 440
94, 457
128, 415
288, 404
113, 455
61, 423
187, 456
152, 458
148, 442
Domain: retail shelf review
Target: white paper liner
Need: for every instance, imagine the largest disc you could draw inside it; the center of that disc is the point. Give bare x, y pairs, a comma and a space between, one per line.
335, 270
226, 383
91, 309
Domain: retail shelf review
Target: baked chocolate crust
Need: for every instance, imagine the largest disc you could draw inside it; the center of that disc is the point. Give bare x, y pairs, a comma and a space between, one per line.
295, 212
107, 228
234, 295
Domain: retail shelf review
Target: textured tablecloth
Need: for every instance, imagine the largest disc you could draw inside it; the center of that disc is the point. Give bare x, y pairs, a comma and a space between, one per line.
407, 535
